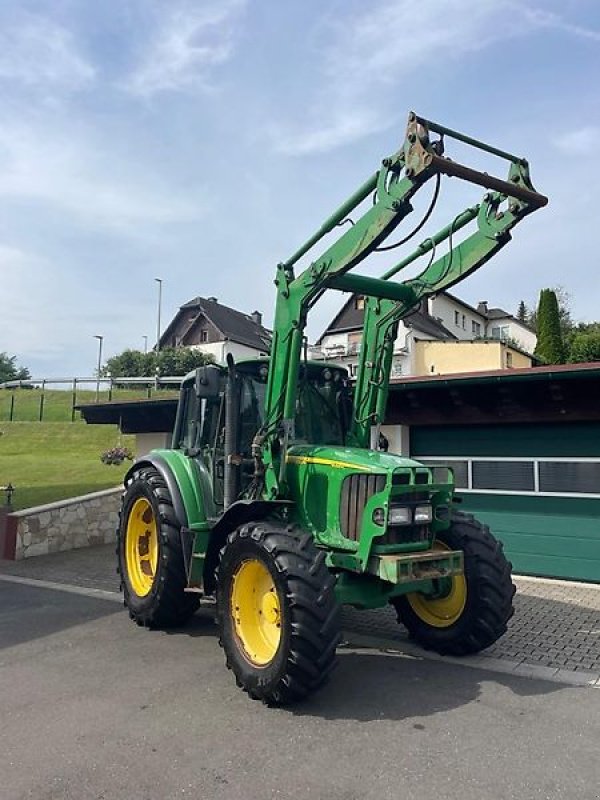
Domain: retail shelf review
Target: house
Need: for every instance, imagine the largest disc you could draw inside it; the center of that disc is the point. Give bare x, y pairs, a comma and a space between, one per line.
443, 336
216, 329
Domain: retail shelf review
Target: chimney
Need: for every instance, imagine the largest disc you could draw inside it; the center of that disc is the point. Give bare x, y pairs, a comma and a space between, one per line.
482, 307
212, 299
257, 317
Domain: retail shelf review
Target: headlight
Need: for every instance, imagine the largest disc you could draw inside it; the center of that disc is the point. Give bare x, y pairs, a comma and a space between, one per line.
379, 516
423, 515
399, 515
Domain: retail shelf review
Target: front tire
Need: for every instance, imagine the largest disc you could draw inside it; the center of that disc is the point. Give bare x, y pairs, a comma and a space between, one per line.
473, 611
278, 618
150, 554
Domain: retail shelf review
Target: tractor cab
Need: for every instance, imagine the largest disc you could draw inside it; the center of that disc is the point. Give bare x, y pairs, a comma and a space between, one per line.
215, 402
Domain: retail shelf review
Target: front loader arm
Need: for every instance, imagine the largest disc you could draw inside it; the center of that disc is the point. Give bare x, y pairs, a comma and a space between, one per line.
382, 315
392, 188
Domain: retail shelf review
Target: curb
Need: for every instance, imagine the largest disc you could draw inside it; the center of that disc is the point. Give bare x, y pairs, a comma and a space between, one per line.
488, 663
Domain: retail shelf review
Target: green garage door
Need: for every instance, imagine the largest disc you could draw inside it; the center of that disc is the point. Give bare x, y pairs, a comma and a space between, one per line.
536, 486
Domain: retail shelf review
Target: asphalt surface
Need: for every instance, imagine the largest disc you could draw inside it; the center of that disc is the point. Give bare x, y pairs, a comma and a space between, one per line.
93, 707
554, 633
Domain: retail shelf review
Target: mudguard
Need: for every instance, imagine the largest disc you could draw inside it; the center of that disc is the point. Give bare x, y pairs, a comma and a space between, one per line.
188, 483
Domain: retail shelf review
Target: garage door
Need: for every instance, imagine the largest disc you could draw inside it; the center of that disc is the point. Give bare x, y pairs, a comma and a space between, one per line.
536, 486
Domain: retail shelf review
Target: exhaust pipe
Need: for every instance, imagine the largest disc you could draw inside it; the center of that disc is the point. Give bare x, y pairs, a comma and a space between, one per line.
231, 478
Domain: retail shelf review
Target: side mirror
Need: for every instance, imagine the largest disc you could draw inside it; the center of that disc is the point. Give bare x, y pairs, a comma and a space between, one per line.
208, 381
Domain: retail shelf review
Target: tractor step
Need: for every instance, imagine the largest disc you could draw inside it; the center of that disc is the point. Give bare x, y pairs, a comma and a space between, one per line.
416, 567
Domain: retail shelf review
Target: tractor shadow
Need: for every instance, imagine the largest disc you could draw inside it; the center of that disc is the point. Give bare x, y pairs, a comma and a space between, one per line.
391, 685
384, 682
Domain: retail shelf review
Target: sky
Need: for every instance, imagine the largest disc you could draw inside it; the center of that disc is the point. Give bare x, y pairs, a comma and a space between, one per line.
202, 141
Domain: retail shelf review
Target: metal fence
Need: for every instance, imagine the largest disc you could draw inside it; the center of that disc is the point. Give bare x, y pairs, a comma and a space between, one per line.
56, 399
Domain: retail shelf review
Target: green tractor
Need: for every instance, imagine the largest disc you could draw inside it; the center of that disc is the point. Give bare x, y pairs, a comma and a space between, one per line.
278, 500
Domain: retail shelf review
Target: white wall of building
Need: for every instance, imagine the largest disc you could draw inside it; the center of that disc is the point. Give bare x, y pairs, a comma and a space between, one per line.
509, 328
460, 321
219, 350
145, 442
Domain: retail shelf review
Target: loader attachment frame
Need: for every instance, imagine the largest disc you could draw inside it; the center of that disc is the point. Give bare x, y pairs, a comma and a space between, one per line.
392, 187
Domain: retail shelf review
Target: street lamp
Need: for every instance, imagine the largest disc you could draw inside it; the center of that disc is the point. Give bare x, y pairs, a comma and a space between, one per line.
145, 338
100, 340
159, 281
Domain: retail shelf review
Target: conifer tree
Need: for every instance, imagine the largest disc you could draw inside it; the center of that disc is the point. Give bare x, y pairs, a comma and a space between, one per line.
550, 347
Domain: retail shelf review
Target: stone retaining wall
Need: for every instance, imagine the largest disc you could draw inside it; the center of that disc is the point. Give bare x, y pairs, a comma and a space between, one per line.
64, 525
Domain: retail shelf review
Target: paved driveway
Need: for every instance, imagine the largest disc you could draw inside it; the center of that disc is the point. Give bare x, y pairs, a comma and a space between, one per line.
93, 707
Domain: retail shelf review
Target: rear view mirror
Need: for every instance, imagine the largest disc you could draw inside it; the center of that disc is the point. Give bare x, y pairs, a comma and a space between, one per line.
208, 381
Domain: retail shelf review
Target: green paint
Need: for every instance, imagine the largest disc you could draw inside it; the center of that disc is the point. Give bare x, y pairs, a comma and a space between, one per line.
561, 439
557, 537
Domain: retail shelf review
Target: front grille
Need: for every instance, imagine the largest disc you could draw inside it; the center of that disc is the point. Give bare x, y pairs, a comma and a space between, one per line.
357, 490
404, 534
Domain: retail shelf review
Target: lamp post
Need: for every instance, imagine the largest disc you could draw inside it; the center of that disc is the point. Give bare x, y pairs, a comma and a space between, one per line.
145, 338
100, 340
159, 281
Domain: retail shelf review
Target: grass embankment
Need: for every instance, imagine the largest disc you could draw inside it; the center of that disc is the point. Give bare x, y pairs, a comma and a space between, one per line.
58, 404
49, 461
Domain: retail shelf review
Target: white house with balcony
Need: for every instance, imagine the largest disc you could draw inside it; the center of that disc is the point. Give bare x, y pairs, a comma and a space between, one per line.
442, 318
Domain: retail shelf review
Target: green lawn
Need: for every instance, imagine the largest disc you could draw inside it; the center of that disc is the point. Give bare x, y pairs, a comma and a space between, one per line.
57, 404
49, 461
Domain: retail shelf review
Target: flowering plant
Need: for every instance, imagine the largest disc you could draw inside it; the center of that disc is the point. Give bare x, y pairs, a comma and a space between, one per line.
116, 455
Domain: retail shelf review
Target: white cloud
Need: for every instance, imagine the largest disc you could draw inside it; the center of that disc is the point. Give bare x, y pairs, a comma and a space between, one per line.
579, 141
39, 52
391, 44
77, 177
548, 19
190, 40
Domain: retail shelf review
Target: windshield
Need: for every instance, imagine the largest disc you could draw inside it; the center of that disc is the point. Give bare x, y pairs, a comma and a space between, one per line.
317, 410
317, 415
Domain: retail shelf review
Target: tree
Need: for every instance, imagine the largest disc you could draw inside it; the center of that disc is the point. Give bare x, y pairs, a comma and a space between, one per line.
9, 371
522, 312
584, 343
550, 346
585, 347
564, 312
170, 361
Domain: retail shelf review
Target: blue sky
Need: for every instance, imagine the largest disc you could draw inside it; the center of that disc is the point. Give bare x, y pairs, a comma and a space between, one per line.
202, 141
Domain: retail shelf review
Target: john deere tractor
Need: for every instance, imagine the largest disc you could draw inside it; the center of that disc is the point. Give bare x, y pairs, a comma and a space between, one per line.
277, 499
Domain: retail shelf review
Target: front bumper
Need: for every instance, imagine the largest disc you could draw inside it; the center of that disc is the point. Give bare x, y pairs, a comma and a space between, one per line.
412, 567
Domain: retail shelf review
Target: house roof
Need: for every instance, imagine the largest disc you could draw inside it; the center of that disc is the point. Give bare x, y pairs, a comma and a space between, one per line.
350, 318
232, 324
531, 396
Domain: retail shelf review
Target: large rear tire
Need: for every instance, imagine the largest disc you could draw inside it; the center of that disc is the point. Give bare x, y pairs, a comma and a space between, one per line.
150, 555
279, 621
472, 610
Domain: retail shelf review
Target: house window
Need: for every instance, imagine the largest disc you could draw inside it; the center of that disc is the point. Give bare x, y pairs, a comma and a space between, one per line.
464, 322
500, 332
476, 328
509, 361
524, 476
569, 476
359, 302
457, 319
203, 336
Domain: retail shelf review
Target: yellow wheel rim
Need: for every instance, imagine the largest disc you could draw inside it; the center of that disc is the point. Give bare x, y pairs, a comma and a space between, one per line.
441, 612
256, 612
141, 547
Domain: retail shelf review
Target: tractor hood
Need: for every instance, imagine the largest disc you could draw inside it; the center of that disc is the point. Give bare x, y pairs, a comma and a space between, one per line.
348, 458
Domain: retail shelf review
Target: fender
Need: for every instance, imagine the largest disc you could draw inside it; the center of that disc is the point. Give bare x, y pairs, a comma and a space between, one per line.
237, 514
188, 487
